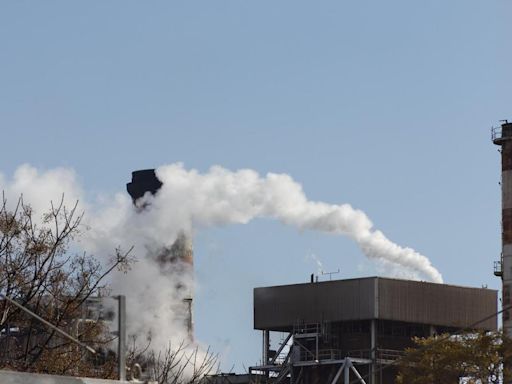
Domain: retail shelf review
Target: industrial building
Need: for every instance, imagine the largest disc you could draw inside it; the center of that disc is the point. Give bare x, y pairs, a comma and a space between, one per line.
343, 330
354, 328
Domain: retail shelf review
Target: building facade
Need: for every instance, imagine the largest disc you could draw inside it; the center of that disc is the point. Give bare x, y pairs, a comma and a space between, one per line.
356, 328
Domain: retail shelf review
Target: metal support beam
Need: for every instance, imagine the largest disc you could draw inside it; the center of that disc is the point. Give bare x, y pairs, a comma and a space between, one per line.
48, 324
346, 372
357, 374
297, 342
345, 368
316, 348
278, 352
266, 347
121, 344
299, 378
338, 374
373, 351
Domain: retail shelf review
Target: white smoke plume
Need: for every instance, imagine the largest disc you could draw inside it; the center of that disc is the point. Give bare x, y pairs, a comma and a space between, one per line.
189, 201
39, 188
221, 197
318, 262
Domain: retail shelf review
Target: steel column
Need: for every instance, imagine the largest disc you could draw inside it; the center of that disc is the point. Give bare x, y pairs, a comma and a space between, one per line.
373, 351
338, 374
266, 344
346, 372
121, 344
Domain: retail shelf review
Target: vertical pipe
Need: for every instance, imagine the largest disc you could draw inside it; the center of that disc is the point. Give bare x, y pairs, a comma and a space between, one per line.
316, 344
121, 345
373, 351
189, 321
266, 342
346, 371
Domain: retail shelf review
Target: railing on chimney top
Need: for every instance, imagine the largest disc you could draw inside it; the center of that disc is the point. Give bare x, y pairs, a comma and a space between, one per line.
496, 133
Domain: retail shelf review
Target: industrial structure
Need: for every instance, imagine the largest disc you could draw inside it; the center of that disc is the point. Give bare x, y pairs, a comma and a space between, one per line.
344, 330
341, 331
178, 258
502, 136
351, 330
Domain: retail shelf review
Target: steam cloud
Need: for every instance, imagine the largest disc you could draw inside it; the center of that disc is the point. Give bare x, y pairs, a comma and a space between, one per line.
189, 201
222, 197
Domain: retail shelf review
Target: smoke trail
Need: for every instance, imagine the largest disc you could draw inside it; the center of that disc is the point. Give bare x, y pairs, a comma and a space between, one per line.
317, 261
221, 197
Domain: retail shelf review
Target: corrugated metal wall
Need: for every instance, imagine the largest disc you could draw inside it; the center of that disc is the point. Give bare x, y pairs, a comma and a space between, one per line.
283, 306
438, 304
279, 308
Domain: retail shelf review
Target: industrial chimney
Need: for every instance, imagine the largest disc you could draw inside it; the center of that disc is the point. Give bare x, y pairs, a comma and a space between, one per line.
503, 136
179, 257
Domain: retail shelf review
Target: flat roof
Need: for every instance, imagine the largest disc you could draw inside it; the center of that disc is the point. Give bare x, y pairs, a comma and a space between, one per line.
280, 307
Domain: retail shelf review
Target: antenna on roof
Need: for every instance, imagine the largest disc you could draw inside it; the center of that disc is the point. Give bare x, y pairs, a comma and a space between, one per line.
331, 273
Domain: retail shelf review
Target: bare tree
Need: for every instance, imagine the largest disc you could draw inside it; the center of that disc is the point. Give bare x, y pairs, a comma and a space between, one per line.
180, 364
41, 270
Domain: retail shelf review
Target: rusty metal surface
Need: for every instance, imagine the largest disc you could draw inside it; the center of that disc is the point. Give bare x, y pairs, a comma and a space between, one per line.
506, 215
506, 151
280, 307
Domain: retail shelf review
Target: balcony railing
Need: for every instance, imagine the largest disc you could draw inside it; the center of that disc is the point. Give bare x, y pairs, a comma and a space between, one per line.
501, 133
498, 268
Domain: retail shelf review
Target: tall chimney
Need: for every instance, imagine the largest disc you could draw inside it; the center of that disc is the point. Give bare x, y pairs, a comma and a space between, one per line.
503, 136
180, 256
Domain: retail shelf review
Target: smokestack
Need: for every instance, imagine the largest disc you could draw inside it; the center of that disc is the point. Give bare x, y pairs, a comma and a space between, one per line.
180, 255
143, 181
503, 136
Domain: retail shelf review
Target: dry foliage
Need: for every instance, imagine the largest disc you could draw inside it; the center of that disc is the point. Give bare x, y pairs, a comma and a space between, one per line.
40, 270
475, 358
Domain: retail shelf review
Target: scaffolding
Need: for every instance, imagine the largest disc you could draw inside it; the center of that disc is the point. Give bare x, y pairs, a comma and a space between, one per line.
312, 351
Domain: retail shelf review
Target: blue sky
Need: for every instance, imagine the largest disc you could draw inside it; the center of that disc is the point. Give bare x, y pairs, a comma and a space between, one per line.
383, 105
